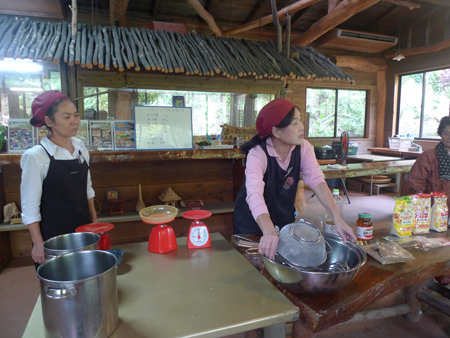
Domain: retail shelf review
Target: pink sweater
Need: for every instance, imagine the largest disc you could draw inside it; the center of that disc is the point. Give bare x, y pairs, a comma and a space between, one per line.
257, 165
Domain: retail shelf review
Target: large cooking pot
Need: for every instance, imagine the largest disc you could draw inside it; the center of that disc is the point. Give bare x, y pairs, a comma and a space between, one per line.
76, 241
302, 245
340, 267
79, 294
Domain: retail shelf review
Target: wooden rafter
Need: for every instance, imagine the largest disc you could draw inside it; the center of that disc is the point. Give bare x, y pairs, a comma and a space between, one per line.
345, 10
408, 4
205, 16
117, 11
332, 4
445, 3
295, 7
254, 10
371, 27
418, 50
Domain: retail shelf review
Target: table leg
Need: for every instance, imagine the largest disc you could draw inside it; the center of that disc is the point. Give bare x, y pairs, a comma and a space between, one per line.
275, 331
413, 302
300, 331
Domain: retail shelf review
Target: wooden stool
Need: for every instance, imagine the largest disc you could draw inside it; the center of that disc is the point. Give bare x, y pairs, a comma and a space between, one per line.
115, 207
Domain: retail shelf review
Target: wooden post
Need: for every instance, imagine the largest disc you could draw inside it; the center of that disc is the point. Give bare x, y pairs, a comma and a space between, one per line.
277, 25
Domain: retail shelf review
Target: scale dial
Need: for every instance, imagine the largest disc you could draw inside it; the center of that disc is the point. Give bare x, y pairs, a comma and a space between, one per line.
198, 237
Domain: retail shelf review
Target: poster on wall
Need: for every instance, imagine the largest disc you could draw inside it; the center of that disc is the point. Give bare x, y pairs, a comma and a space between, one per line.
102, 134
40, 132
83, 131
20, 135
124, 135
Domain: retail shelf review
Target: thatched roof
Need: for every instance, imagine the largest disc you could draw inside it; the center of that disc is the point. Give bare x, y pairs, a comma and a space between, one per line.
110, 47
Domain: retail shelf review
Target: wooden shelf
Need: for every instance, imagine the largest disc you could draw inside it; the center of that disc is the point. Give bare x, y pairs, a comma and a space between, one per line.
215, 208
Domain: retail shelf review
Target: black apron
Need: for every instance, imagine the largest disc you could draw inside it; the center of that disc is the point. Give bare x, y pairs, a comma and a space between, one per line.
64, 203
280, 190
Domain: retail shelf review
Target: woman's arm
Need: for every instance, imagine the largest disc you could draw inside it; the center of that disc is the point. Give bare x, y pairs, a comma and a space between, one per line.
37, 253
92, 211
326, 199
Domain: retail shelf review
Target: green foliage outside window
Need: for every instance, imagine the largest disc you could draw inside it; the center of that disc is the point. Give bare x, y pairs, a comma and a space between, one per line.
332, 111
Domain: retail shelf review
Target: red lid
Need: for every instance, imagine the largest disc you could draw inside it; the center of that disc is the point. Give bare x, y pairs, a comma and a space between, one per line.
95, 227
196, 214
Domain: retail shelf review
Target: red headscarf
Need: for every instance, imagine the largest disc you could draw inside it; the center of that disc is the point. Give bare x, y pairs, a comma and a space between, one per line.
41, 104
271, 115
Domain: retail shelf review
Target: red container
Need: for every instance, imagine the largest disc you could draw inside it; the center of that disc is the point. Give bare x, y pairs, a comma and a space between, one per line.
162, 239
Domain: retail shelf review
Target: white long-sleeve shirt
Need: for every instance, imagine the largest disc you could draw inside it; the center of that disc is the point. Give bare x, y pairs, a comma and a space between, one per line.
35, 163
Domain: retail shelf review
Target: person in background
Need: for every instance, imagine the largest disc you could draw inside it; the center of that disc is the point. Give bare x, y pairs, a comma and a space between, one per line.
431, 171
56, 188
276, 156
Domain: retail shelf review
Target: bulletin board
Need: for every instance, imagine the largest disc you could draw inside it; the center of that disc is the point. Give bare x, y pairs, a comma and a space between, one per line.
163, 128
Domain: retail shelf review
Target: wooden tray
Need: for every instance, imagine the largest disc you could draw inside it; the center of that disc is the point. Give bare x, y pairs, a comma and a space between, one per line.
376, 180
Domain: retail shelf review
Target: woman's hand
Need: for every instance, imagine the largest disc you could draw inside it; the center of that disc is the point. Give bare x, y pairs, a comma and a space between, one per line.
37, 253
268, 244
344, 231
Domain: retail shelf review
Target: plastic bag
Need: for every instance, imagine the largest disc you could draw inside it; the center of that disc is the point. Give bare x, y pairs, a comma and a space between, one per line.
402, 217
388, 253
421, 213
439, 212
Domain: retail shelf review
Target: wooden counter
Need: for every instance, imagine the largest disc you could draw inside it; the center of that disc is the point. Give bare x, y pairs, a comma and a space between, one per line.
209, 292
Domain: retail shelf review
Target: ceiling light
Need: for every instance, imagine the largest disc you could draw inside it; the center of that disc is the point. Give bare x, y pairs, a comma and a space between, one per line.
398, 57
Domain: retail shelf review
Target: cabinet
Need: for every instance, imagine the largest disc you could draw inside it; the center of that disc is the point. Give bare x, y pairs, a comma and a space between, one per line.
213, 176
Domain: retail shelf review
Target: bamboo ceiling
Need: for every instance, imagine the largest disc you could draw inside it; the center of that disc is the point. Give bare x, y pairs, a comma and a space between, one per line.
109, 47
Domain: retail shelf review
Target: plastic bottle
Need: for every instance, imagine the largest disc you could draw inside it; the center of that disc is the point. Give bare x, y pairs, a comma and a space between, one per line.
329, 222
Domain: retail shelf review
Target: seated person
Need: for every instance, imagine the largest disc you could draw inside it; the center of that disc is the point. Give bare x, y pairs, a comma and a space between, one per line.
431, 171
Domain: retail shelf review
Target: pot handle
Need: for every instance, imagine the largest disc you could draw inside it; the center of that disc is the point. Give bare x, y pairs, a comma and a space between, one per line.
60, 293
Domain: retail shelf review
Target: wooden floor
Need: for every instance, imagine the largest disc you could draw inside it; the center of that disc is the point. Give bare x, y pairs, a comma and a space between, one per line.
19, 288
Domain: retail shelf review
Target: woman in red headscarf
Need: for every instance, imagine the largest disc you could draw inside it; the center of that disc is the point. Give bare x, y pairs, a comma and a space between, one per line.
56, 188
276, 157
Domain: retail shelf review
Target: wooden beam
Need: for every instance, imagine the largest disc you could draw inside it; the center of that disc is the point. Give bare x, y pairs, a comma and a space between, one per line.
358, 63
419, 50
254, 10
205, 16
295, 7
381, 107
117, 12
344, 11
277, 25
445, 3
38, 8
332, 4
410, 5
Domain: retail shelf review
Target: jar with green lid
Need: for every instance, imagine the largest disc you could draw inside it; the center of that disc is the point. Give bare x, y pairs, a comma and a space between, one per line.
364, 226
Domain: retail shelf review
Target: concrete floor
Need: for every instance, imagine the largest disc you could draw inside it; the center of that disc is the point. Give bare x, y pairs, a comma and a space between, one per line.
19, 288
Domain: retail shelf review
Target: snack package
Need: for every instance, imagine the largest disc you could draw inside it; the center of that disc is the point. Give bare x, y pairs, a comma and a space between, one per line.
439, 212
388, 253
402, 217
421, 213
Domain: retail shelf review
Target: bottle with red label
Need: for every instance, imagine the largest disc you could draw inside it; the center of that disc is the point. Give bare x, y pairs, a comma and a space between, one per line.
364, 226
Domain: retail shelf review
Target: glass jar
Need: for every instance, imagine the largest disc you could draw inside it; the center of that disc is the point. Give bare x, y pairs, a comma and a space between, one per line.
364, 226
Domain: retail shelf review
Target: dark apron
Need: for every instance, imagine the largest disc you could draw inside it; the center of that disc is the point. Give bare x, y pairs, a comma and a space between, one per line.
64, 203
280, 190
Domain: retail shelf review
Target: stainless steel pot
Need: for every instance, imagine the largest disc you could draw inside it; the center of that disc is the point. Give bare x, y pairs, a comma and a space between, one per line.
330, 276
76, 241
79, 294
302, 245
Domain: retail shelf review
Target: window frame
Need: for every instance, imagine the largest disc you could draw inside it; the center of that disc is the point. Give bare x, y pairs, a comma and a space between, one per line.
422, 106
337, 89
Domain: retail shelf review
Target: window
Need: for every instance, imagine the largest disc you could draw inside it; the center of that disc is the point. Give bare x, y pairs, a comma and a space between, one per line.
424, 100
210, 110
20, 82
332, 111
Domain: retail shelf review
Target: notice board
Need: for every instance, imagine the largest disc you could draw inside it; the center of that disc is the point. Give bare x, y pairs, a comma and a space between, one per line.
163, 128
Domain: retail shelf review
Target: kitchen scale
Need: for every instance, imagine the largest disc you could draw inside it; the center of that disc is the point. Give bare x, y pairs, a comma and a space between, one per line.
101, 229
162, 237
198, 236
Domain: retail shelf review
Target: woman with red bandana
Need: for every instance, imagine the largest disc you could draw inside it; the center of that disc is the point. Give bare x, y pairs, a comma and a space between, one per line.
56, 188
276, 157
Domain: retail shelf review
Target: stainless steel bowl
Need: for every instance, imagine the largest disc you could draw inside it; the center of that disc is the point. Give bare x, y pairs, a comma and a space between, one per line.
320, 279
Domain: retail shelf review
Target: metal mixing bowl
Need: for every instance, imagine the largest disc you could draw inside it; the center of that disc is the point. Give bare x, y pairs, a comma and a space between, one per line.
320, 279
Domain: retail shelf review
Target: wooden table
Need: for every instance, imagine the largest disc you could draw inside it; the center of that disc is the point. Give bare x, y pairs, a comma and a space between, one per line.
208, 292
392, 152
373, 282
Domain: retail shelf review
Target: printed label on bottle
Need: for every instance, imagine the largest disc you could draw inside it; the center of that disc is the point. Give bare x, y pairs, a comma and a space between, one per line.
364, 232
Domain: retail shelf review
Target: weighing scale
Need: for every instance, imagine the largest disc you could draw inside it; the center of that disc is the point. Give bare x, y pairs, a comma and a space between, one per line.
162, 237
198, 236
101, 229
